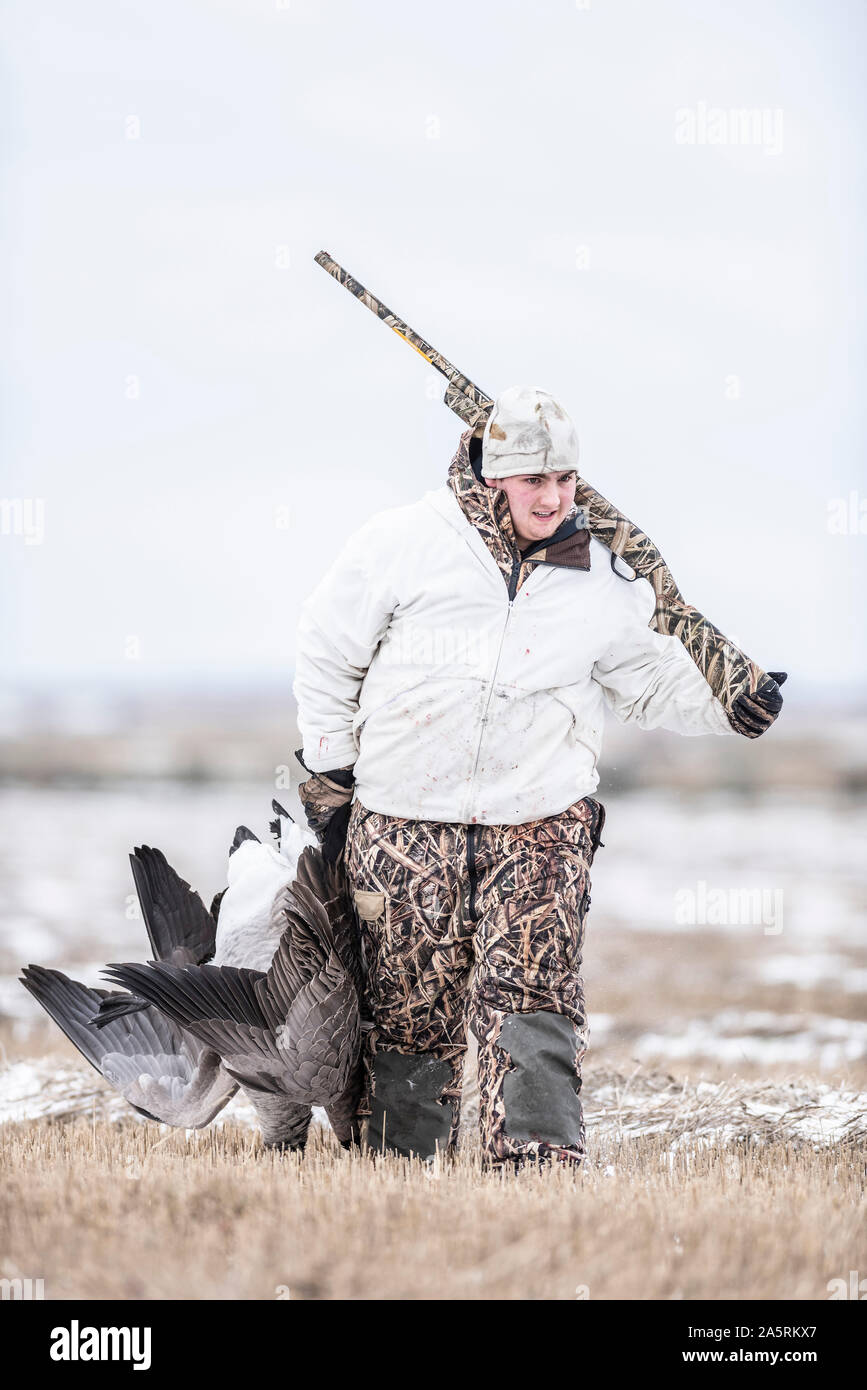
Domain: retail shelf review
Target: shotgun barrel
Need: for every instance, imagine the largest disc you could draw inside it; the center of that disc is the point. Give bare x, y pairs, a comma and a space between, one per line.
462, 395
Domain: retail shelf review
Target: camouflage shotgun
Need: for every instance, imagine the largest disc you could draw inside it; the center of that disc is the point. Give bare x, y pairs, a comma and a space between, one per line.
750, 696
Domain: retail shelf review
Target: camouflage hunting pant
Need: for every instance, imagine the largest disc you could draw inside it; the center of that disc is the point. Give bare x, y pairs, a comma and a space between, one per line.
479, 926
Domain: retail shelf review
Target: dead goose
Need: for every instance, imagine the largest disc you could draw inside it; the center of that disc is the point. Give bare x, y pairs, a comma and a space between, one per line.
290, 1036
164, 1073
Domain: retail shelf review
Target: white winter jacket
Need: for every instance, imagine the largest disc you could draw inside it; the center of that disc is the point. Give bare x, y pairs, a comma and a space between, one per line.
455, 702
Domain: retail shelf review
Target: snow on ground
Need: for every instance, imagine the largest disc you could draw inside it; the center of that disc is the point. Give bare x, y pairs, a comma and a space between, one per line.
616, 1106
42, 1090
762, 1037
725, 1111
806, 970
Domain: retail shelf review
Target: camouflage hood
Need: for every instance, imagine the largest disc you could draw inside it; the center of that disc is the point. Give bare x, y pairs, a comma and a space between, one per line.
487, 508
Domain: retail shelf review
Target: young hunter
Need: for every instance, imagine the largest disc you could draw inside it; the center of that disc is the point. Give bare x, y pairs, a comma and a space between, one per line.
453, 668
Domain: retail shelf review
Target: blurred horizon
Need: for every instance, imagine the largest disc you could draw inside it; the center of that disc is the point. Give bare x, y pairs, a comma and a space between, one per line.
92, 734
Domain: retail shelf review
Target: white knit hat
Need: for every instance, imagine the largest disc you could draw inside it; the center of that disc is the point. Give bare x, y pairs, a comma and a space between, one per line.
527, 431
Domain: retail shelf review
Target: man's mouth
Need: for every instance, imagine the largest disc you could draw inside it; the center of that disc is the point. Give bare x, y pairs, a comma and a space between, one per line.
545, 516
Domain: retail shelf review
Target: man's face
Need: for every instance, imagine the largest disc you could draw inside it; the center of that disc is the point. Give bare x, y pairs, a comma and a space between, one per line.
538, 502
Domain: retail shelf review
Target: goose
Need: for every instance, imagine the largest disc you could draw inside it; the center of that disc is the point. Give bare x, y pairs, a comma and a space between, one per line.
166, 1071
290, 1036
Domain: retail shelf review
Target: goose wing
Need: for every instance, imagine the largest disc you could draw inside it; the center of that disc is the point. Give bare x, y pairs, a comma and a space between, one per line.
179, 926
242, 1036
321, 1036
222, 1006
163, 1073
300, 1043
326, 883
305, 942
309, 982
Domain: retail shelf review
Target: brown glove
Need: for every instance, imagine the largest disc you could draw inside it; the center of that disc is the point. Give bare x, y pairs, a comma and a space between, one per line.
326, 798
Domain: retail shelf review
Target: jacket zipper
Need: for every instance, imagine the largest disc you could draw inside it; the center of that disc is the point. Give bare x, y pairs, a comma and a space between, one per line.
513, 588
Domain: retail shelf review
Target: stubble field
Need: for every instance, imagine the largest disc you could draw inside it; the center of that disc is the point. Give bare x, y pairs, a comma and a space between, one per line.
107, 1210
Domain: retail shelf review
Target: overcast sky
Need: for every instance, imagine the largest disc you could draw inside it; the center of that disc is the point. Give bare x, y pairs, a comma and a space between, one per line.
541, 189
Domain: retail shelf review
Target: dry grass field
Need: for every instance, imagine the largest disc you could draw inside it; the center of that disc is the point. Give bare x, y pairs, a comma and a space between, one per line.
116, 1211
691, 1191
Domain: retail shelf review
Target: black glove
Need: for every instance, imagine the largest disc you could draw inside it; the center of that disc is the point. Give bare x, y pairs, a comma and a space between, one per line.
334, 840
752, 714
